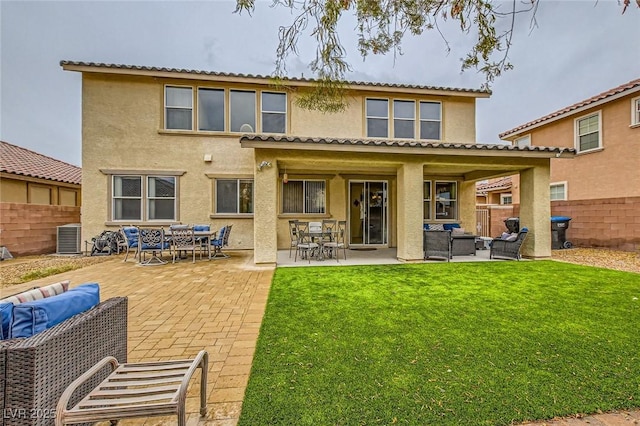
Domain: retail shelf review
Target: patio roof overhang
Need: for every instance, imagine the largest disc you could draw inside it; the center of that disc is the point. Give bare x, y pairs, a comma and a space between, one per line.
411, 147
463, 161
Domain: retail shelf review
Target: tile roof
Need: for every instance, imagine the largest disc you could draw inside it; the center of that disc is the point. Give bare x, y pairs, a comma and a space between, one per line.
263, 77
21, 161
500, 183
633, 84
403, 143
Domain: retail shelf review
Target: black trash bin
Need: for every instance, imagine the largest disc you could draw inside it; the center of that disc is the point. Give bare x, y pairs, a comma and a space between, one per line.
559, 226
512, 224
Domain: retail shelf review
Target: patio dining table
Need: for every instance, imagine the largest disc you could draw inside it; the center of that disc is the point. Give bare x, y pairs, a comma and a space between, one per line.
202, 237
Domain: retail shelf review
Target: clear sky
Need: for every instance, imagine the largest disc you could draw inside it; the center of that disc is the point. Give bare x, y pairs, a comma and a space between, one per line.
578, 49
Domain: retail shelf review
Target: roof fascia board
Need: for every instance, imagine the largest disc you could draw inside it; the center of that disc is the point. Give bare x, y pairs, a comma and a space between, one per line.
633, 90
186, 75
403, 150
40, 180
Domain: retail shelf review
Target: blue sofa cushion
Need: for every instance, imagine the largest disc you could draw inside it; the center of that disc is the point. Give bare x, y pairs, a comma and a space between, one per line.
450, 226
6, 314
30, 318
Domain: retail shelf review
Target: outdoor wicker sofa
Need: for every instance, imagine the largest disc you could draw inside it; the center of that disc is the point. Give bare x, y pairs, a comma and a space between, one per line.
35, 371
437, 244
508, 249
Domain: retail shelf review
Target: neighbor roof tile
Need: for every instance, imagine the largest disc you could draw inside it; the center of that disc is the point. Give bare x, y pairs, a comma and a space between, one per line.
21, 161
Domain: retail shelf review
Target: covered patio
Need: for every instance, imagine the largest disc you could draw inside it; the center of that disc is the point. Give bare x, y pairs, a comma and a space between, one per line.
409, 183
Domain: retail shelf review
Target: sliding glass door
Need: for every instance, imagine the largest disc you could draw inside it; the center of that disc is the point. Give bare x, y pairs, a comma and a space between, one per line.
368, 217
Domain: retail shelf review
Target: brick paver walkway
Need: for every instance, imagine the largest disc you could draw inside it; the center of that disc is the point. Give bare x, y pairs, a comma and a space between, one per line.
176, 310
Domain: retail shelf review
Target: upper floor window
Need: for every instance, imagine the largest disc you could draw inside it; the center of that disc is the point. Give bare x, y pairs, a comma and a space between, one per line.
635, 111
558, 191
377, 118
211, 110
234, 196
522, 141
430, 120
588, 135
178, 108
304, 196
274, 112
242, 108
404, 119
224, 110
506, 199
138, 197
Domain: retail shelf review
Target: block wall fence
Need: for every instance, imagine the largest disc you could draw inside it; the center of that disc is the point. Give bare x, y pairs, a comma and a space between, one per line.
612, 223
27, 229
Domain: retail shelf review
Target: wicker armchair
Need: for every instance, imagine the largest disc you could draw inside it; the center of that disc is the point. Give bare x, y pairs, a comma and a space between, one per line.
508, 249
437, 244
35, 371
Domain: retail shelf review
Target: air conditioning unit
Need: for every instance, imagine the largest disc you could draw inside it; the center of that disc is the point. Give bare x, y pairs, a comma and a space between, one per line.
69, 239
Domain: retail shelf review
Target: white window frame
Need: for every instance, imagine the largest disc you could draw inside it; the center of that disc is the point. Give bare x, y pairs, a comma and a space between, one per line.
255, 109
144, 197
635, 112
506, 197
412, 119
225, 106
562, 184
522, 141
426, 199
304, 196
264, 111
238, 182
577, 132
375, 117
420, 120
433, 201
167, 107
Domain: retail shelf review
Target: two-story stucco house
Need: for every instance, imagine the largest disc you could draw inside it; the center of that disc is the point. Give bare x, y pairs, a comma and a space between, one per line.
600, 188
170, 145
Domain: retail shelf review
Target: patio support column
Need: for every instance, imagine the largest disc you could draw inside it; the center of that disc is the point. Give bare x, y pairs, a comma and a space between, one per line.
410, 216
467, 206
265, 246
535, 211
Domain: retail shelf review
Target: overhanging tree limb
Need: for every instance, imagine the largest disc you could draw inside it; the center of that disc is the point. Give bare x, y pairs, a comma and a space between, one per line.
381, 27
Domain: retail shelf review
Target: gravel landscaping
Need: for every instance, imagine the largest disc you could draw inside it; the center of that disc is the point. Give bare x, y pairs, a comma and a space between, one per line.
12, 270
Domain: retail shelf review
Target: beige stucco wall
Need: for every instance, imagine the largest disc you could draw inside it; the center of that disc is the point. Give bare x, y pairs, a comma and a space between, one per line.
123, 131
26, 189
597, 174
459, 120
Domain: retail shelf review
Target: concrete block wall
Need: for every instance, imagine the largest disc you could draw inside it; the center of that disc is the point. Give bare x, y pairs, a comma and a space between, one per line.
608, 223
27, 229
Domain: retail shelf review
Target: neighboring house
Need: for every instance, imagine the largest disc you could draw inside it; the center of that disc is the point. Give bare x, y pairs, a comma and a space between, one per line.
600, 188
37, 194
163, 145
495, 203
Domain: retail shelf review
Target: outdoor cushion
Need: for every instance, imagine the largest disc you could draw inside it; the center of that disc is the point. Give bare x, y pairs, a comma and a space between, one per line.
457, 231
33, 317
7, 304
512, 237
38, 293
425, 226
6, 313
436, 227
450, 226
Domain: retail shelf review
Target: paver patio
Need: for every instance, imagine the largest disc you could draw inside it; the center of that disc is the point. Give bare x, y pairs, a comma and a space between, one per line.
176, 310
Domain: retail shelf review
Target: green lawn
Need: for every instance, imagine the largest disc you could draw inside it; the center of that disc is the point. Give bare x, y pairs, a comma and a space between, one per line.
453, 343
